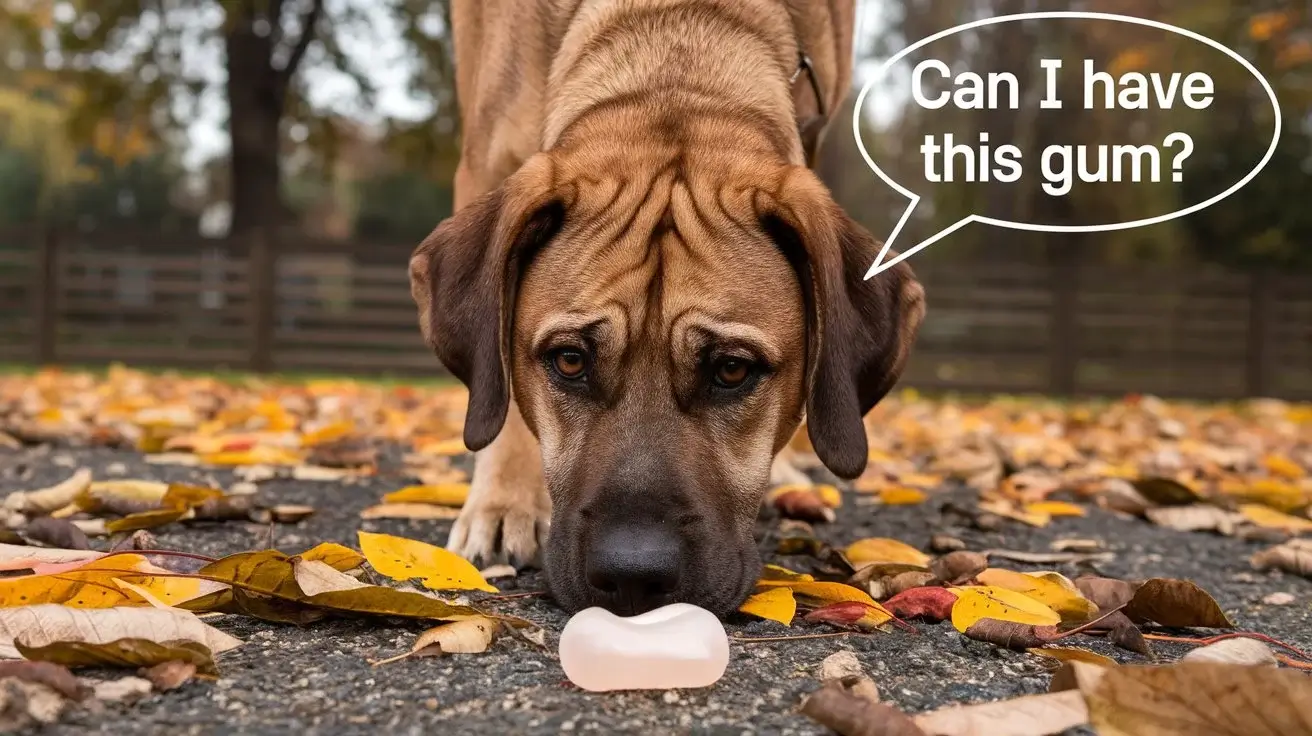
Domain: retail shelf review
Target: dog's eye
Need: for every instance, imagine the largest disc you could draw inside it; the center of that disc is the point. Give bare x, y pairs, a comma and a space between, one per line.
732, 372
569, 363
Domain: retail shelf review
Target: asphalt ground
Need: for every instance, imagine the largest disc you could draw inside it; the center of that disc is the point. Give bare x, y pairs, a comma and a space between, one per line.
318, 679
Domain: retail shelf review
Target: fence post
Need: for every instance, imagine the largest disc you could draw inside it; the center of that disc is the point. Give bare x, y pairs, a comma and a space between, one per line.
1261, 305
263, 281
45, 295
1063, 337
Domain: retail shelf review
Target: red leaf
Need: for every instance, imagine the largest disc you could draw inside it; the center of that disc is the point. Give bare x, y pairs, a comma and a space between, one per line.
846, 613
928, 603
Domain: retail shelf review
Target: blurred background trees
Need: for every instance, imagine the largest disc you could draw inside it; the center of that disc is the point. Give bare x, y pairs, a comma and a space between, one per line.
337, 118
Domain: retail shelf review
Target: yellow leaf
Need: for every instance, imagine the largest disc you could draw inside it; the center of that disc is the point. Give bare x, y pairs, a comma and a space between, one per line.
1054, 508
823, 593
882, 549
1281, 495
828, 495
334, 555
444, 494
921, 480
1264, 26
409, 511
980, 602
1008, 510
1271, 519
1067, 602
902, 496
443, 448
775, 604
93, 585
328, 433
775, 575
1281, 466
404, 559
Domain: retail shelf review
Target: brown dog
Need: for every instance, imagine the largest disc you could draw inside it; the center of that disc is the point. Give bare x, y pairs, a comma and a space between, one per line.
646, 289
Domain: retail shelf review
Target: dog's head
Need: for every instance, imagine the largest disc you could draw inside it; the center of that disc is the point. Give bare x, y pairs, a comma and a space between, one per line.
664, 327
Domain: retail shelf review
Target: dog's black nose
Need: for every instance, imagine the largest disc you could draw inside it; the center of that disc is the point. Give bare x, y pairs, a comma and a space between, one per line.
637, 567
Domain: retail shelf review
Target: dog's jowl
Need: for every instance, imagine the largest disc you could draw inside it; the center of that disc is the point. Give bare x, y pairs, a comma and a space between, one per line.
646, 289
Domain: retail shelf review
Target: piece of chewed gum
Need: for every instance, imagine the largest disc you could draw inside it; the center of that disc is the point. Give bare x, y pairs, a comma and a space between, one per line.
673, 647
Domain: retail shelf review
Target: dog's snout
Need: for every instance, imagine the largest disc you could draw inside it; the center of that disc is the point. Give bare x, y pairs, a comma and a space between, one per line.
636, 566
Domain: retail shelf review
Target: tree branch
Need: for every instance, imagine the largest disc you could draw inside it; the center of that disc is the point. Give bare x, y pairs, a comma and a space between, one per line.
308, 23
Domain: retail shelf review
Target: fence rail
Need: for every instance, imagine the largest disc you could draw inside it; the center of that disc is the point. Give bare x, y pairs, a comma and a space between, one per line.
1064, 328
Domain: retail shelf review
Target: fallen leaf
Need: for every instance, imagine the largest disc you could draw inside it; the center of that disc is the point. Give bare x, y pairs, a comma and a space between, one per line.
339, 557
931, 603
779, 575
1107, 594
1192, 698
1239, 650
470, 636
850, 613
901, 496
18, 557
1282, 466
409, 511
1176, 604
1009, 510
314, 577
1067, 602
825, 593
1054, 509
980, 602
804, 505
1165, 491
45, 500
445, 494
1268, 518
849, 714
121, 653
844, 668
286, 513
882, 549
1073, 654
1011, 634
91, 585
1294, 556
1028, 715
943, 543
121, 497
169, 675
406, 559
1077, 674
1048, 558
43, 625
774, 604
56, 533
1195, 518
1281, 495
958, 567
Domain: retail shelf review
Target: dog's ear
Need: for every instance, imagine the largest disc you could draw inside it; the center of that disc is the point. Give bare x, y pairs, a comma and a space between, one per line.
859, 332
464, 276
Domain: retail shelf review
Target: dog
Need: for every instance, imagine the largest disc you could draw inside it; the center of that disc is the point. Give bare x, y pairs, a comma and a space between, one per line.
647, 290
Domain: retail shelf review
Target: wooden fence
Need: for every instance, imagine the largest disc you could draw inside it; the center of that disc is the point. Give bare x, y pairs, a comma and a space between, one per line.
296, 306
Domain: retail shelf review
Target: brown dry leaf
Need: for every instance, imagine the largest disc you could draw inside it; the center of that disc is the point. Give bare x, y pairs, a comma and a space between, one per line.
410, 511
1106, 593
958, 567
121, 497
1166, 491
1176, 604
848, 714
1192, 698
1077, 674
1011, 634
1028, 715
42, 625
46, 500
134, 653
286, 513
1294, 556
1195, 518
169, 675
56, 533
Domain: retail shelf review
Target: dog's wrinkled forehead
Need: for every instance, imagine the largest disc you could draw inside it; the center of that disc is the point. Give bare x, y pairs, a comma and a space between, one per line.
659, 259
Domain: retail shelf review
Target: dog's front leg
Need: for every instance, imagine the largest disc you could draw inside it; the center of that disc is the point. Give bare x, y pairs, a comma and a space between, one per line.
508, 513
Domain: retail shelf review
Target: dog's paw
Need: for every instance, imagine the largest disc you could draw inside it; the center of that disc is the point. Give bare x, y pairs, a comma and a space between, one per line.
502, 526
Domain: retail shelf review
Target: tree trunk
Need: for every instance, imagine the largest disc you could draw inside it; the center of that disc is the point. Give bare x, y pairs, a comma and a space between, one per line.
255, 102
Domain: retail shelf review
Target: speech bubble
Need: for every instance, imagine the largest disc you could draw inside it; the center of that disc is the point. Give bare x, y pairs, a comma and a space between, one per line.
880, 265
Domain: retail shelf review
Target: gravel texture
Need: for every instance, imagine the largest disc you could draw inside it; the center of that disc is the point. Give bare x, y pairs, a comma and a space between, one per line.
318, 679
